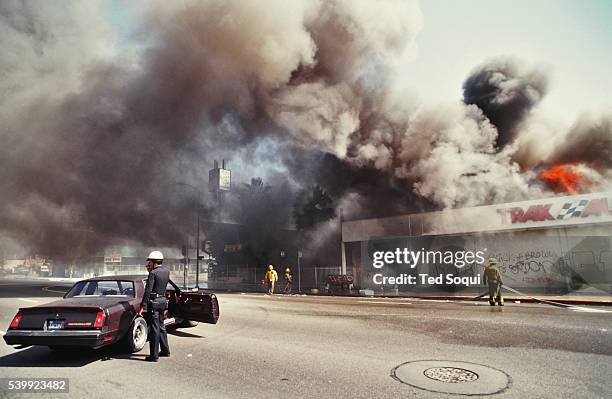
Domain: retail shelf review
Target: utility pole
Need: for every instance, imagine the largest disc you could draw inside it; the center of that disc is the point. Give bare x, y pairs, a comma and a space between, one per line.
198, 211
342, 248
184, 252
219, 182
299, 255
198, 251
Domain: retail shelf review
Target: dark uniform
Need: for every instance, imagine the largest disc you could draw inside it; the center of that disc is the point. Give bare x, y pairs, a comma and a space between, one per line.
288, 281
155, 300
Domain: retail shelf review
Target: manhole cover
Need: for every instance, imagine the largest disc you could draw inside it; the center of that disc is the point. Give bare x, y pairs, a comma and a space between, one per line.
460, 378
450, 374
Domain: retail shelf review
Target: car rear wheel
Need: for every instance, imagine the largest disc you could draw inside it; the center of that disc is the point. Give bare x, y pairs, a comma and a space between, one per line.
136, 337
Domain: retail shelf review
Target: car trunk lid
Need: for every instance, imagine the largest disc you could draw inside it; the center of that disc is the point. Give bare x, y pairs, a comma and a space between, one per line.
59, 317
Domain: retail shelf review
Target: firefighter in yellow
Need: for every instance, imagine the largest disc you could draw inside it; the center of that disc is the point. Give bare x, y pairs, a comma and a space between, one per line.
492, 276
271, 279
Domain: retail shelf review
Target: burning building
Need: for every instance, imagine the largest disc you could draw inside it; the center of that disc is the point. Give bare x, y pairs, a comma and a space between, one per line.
114, 131
551, 245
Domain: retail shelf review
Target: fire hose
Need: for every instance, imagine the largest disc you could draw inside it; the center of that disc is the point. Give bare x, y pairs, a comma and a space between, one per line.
552, 303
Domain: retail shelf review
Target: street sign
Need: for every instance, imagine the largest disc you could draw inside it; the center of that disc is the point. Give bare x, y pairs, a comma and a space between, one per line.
112, 258
225, 179
219, 179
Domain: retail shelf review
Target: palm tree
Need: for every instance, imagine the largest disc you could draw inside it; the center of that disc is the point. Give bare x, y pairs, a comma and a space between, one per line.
256, 187
312, 207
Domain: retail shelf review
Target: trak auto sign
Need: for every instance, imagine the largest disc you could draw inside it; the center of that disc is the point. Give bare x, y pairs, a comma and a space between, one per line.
594, 208
562, 210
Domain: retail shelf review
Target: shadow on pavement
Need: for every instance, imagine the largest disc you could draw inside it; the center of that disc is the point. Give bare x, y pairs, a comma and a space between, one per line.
41, 356
178, 333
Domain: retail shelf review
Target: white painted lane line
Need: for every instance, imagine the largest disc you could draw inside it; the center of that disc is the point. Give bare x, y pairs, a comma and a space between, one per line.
386, 303
28, 300
588, 310
2, 332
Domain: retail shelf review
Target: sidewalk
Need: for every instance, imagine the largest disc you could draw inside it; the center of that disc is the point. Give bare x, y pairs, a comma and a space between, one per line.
584, 297
589, 296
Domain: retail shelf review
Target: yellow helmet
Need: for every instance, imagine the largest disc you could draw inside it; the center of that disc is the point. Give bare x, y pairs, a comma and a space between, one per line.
287, 270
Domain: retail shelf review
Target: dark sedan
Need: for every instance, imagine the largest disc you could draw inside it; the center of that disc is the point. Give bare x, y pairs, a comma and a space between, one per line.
104, 310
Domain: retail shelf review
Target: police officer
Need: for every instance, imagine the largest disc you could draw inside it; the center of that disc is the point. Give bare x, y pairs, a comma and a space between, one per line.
492, 276
154, 300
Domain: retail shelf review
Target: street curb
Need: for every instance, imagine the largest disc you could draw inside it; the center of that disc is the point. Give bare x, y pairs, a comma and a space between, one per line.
507, 299
521, 299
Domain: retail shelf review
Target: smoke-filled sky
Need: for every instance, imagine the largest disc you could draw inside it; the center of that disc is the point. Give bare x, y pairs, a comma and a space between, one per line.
110, 110
570, 39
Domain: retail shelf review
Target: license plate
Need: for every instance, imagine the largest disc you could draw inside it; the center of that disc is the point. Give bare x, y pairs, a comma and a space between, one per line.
55, 324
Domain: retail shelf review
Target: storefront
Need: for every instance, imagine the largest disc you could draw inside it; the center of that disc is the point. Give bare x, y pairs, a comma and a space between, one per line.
552, 245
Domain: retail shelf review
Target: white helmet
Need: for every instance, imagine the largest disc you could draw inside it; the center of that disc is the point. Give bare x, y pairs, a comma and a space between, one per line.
156, 256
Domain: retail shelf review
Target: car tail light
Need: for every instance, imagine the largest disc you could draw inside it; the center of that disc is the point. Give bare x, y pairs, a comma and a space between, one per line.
99, 320
16, 320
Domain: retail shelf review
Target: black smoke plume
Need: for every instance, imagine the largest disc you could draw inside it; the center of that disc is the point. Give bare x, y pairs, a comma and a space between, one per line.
105, 141
505, 92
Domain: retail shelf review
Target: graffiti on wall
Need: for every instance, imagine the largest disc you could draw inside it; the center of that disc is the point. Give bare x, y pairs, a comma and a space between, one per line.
542, 261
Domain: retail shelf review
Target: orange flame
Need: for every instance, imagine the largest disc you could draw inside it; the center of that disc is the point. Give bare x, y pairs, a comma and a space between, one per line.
564, 178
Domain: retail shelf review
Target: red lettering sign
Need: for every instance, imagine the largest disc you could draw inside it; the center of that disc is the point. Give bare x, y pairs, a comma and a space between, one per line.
502, 213
535, 213
541, 213
516, 215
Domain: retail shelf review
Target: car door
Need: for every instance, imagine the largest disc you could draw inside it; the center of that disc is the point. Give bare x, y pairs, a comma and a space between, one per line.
198, 306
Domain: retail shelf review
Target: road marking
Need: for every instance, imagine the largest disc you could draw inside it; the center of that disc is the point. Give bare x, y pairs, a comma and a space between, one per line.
391, 314
2, 332
588, 310
386, 303
48, 290
28, 300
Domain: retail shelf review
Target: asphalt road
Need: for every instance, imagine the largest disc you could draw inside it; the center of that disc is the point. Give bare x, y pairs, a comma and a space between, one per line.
332, 347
